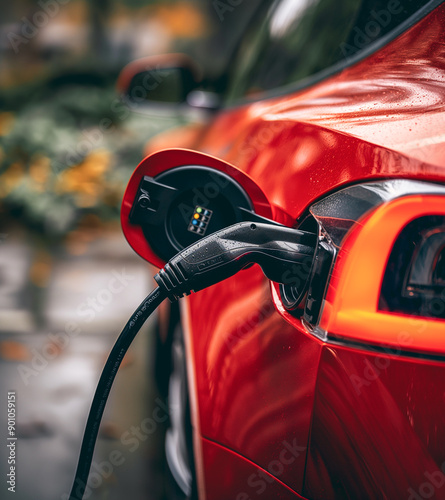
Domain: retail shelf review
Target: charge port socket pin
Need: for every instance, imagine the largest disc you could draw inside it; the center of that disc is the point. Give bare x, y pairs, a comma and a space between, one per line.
144, 200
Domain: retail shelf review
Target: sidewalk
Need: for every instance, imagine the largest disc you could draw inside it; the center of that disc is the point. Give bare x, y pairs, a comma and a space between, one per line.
54, 369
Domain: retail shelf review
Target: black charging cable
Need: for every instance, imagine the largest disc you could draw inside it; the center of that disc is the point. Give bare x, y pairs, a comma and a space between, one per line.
277, 249
134, 324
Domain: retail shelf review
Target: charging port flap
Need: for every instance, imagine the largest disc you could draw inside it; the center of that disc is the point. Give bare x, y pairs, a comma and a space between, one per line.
176, 197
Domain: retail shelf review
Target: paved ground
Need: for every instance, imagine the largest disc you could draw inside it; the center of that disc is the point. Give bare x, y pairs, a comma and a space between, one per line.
51, 357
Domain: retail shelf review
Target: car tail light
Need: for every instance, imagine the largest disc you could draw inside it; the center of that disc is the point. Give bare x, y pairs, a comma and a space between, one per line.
380, 274
414, 280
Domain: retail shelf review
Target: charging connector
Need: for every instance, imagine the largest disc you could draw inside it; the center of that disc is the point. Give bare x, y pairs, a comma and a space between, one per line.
277, 249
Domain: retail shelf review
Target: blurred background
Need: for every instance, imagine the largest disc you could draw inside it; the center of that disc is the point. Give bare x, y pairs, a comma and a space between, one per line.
68, 279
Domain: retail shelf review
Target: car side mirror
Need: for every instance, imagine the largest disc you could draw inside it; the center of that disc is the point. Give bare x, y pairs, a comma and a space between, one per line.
164, 83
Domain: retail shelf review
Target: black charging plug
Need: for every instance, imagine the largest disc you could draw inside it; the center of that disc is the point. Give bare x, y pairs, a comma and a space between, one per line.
277, 249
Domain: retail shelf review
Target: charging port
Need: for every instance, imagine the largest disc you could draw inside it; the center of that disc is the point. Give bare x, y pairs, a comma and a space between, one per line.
182, 205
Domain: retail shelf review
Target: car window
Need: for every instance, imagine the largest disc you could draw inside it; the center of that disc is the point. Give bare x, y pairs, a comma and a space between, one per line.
292, 40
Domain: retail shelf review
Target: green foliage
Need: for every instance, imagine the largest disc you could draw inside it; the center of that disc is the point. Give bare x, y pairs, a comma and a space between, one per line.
67, 151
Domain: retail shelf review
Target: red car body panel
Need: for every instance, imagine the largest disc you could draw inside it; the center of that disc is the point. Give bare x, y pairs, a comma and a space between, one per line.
235, 477
364, 425
382, 117
243, 350
261, 379
378, 427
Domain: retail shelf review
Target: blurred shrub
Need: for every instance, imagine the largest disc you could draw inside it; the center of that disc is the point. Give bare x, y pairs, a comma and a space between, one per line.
67, 144
67, 152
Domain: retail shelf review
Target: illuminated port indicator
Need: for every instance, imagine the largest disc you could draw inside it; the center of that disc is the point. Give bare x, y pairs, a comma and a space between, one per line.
200, 220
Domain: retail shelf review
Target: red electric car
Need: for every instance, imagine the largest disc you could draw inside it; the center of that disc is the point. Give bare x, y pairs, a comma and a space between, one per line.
331, 384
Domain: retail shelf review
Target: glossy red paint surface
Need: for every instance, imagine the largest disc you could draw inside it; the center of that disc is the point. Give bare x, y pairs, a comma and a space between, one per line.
379, 427
368, 426
382, 117
236, 478
257, 376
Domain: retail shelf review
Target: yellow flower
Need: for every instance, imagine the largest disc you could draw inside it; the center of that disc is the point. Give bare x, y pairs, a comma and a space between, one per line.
85, 179
11, 178
6, 123
39, 169
182, 19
